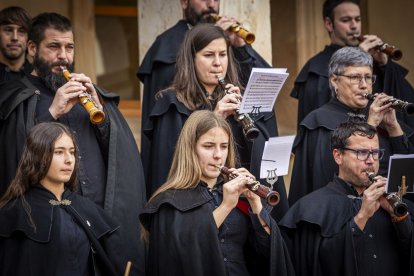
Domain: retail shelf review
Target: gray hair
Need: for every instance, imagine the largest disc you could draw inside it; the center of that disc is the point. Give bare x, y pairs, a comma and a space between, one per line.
346, 57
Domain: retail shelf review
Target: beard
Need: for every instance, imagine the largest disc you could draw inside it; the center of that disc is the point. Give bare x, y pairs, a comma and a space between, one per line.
12, 55
43, 69
194, 18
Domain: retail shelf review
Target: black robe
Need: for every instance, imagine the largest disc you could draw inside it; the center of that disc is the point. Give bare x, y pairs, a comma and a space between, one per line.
312, 84
157, 69
164, 126
124, 192
319, 232
25, 250
184, 240
314, 165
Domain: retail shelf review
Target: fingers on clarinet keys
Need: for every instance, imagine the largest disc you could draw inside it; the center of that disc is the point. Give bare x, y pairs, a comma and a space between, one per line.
398, 105
272, 197
96, 116
250, 131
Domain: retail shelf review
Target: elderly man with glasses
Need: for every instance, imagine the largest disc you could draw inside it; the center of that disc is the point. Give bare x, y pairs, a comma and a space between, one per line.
348, 227
351, 79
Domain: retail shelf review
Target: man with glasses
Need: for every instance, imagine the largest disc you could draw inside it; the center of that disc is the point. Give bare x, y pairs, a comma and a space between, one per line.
351, 78
342, 19
348, 227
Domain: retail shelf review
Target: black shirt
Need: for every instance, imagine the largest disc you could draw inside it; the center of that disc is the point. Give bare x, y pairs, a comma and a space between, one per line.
91, 140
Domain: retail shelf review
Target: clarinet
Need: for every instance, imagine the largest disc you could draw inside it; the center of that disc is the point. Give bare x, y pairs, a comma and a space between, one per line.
249, 129
399, 105
95, 115
395, 200
271, 197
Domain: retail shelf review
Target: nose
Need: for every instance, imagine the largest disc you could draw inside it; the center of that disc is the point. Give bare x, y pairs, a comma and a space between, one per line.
218, 153
370, 159
210, 3
217, 61
62, 54
15, 34
69, 158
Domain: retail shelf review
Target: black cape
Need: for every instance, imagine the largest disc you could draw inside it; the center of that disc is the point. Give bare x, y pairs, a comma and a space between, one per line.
312, 85
164, 126
157, 69
28, 251
314, 165
125, 190
178, 219
319, 235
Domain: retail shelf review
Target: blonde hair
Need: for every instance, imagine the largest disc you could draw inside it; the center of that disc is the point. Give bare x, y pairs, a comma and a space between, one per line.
185, 172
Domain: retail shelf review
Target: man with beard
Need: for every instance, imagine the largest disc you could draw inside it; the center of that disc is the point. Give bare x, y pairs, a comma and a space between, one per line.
14, 26
110, 169
157, 69
348, 227
342, 20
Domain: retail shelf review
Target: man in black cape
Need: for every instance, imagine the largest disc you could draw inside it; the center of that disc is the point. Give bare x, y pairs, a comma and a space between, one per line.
348, 227
312, 85
14, 26
110, 167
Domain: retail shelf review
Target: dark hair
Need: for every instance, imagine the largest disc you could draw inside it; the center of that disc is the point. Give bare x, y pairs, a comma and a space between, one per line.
341, 134
15, 15
45, 21
330, 5
189, 90
36, 159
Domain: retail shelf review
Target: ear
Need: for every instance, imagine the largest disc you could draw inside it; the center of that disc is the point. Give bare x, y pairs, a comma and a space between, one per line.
337, 155
328, 25
31, 48
334, 81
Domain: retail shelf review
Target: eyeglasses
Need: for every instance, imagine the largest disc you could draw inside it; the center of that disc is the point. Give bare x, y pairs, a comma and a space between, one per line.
363, 154
356, 79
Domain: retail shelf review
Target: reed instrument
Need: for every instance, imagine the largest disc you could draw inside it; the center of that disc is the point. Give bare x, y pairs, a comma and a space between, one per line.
271, 197
238, 29
250, 131
399, 105
393, 52
96, 116
400, 209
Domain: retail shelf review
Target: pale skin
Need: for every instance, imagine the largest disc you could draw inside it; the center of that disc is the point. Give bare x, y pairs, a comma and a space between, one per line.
212, 151
352, 95
13, 43
347, 26
211, 62
61, 167
59, 47
354, 171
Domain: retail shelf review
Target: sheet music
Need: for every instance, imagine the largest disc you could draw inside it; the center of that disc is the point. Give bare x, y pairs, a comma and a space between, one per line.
262, 89
276, 155
400, 164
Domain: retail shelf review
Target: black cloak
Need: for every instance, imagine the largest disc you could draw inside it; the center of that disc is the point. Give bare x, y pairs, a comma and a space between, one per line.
125, 193
314, 165
184, 220
25, 250
312, 84
164, 126
318, 232
157, 69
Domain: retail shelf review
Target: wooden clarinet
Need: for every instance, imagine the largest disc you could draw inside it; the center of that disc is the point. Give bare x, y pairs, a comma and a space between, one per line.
238, 29
271, 197
96, 116
393, 52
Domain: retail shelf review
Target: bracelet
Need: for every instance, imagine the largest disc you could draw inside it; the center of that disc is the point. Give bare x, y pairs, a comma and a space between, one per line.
398, 219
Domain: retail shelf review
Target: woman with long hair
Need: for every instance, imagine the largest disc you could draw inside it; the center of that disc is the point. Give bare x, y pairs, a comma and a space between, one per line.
205, 57
46, 228
200, 222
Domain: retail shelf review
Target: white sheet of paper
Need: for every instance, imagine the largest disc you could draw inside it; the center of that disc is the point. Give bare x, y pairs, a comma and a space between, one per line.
262, 89
276, 155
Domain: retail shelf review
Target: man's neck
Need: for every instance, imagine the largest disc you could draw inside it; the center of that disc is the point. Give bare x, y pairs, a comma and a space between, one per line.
13, 65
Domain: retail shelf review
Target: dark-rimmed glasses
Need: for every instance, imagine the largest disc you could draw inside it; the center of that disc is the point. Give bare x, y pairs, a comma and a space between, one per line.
363, 154
356, 79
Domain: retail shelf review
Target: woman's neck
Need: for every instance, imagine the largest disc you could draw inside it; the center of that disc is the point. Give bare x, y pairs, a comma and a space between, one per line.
56, 189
